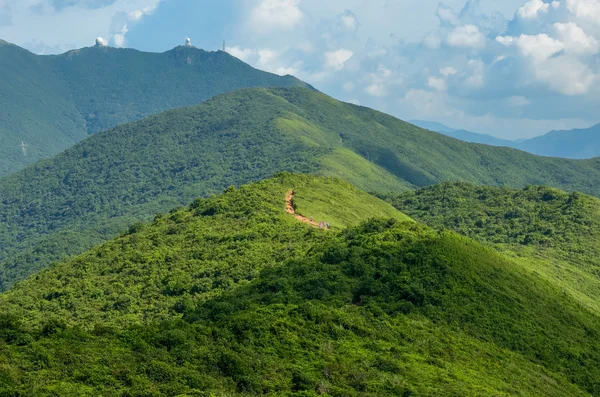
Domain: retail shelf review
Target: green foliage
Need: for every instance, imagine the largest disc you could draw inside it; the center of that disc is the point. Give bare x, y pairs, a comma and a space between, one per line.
88, 194
551, 233
233, 297
52, 102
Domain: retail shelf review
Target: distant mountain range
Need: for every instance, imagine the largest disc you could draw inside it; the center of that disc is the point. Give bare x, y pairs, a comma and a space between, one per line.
51, 102
573, 144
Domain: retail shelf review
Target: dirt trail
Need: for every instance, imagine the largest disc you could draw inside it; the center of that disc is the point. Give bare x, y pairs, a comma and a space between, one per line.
289, 208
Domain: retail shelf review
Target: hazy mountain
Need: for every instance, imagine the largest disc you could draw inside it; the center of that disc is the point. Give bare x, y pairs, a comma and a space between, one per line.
576, 144
464, 135
432, 126
573, 144
51, 102
234, 296
99, 187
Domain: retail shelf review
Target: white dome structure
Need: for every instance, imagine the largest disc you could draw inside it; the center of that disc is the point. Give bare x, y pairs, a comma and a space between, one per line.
188, 42
100, 42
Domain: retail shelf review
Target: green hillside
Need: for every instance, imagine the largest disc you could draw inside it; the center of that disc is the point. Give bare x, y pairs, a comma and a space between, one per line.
51, 102
96, 189
232, 296
551, 233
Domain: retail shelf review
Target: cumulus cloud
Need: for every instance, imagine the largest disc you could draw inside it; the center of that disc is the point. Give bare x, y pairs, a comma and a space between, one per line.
532, 8
438, 84
273, 15
466, 36
245, 54
337, 59
122, 22
575, 39
587, 9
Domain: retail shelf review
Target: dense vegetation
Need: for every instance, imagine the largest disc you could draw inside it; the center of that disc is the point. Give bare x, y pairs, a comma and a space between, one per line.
52, 102
553, 233
232, 296
94, 190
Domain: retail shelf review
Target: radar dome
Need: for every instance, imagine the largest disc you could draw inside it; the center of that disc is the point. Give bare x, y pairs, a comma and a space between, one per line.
100, 42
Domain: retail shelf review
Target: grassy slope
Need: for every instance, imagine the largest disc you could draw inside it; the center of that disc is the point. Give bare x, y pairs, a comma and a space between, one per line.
87, 194
549, 232
255, 303
52, 102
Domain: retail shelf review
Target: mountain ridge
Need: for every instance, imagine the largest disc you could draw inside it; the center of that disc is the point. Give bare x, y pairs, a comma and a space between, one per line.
88, 90
65, 205
234, 296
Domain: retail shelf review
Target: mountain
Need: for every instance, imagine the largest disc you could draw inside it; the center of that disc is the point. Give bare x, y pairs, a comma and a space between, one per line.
550, 232
234, 296
575, 144
432, 126
88, 194
51, 102
465, 135
571, 144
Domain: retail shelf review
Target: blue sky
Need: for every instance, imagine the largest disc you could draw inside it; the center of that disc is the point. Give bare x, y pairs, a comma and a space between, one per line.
511, 68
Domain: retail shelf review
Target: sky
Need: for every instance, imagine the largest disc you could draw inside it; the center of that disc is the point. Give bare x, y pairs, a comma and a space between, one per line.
509, 68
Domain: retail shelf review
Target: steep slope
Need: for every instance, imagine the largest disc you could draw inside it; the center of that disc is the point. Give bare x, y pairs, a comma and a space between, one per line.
97, 188
36, 111
574, 144
552, 233
233, 296
51, 102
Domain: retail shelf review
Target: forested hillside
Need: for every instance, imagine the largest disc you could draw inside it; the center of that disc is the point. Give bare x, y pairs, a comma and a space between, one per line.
555, 234
233, 296
51, 102
89, 193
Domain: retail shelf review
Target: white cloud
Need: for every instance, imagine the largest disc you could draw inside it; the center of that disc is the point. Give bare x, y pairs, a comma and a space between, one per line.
337, 59
267, 59
531, 9
244, 54
274, 15
376, 90
136, 15
539, 47
436, 83
476, 71
466, 36
448, 71
575, 39
119, 38
349, 21
587, 9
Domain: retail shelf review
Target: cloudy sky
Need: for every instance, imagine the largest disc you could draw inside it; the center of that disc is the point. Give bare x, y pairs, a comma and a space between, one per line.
511, 68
